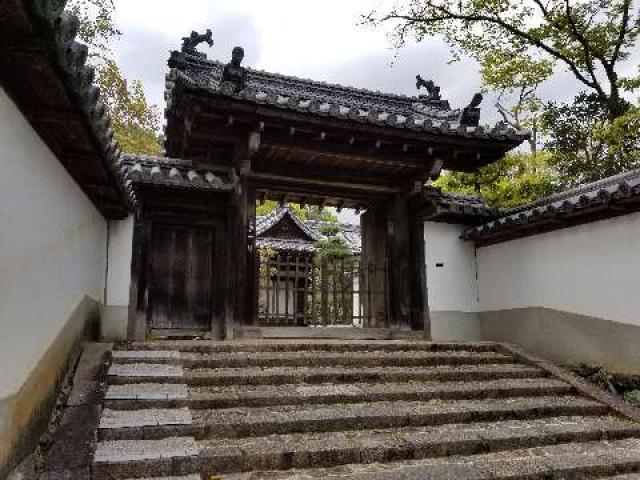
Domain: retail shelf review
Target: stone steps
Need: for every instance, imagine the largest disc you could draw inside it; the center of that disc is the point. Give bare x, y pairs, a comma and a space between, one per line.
207, 346
284, 419
159, 373
614, 459
329, 449
141, 396
313, 359
569, 461
381, 410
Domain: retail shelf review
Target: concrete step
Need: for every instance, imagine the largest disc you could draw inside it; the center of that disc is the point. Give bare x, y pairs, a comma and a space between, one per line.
158, 373
208, 346
615, 458
311, 359
286, 419
136, 396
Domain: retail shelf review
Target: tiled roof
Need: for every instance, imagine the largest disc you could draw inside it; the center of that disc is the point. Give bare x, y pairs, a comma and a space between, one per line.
602, 196
464, 205
286, 244
172, 173
45, 69
323, 99
265, 222
349, 233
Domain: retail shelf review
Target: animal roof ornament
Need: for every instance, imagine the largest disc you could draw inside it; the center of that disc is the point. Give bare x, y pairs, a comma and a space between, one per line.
190, 43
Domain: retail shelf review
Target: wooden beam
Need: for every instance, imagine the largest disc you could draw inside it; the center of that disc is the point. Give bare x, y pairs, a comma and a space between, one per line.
302, 182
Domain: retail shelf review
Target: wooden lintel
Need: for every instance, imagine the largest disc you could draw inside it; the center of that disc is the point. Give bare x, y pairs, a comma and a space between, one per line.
307, 182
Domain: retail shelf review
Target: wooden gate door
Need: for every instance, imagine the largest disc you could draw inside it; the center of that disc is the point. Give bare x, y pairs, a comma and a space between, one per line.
181, 295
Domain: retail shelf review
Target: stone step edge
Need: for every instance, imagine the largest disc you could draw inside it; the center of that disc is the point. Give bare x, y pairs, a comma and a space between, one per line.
610, 457
186, 397
577, 460
319, 359
205, 346
282, 375
586, 388
372, 448
224, 423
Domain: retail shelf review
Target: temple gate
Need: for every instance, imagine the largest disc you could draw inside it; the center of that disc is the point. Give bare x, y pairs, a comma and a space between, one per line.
237, 136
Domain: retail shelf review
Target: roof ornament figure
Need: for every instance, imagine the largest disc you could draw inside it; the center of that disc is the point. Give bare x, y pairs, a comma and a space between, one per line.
190, 43
433, 91
234, 73
471, 113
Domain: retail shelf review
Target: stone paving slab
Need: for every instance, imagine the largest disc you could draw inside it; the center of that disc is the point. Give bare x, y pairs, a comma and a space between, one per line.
145, 370
277, 452
283, 375
118, 451
147, 391
185, 477
593, 458
152, 356
113, 419
238, 422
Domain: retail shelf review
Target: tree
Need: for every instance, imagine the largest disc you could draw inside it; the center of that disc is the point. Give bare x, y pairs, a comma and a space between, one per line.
97, 26
135, 123
585, 146
514, 180
588, 37
515, 74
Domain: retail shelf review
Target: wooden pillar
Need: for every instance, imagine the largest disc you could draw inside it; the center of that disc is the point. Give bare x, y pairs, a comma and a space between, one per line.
241, 308
374, 253
139, 288
398, 264
420, 318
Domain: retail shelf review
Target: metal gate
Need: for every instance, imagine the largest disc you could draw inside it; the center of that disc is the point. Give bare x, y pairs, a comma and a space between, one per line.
302, 289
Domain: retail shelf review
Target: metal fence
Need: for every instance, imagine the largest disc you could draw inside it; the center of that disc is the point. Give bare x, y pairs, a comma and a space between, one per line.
302, 289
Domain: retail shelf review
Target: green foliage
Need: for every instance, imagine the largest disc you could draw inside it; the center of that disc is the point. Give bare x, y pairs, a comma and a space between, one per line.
585, 145
332, 245
308, 212
97, 26
633, 397
589, 38
514, 180
135, 123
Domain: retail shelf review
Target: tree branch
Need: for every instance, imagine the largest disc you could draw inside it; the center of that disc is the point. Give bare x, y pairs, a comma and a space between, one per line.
624, 26
448, 15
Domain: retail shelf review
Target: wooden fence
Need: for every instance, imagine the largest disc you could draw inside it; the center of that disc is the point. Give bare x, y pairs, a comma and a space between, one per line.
304, 290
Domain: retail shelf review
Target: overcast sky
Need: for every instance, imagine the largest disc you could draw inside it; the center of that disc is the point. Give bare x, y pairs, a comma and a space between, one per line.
319, 40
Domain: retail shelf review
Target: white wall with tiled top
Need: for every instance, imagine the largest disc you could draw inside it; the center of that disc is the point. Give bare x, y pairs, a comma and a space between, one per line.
591, 269
119, 269
52, 248
452, 289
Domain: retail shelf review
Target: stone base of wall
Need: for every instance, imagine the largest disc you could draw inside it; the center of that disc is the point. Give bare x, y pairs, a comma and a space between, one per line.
24, 416
455, 326
113, 323
565, 337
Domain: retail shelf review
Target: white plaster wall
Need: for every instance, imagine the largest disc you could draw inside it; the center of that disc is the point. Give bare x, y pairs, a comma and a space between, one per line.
52, 247
453, 286
119, 269
590, 269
